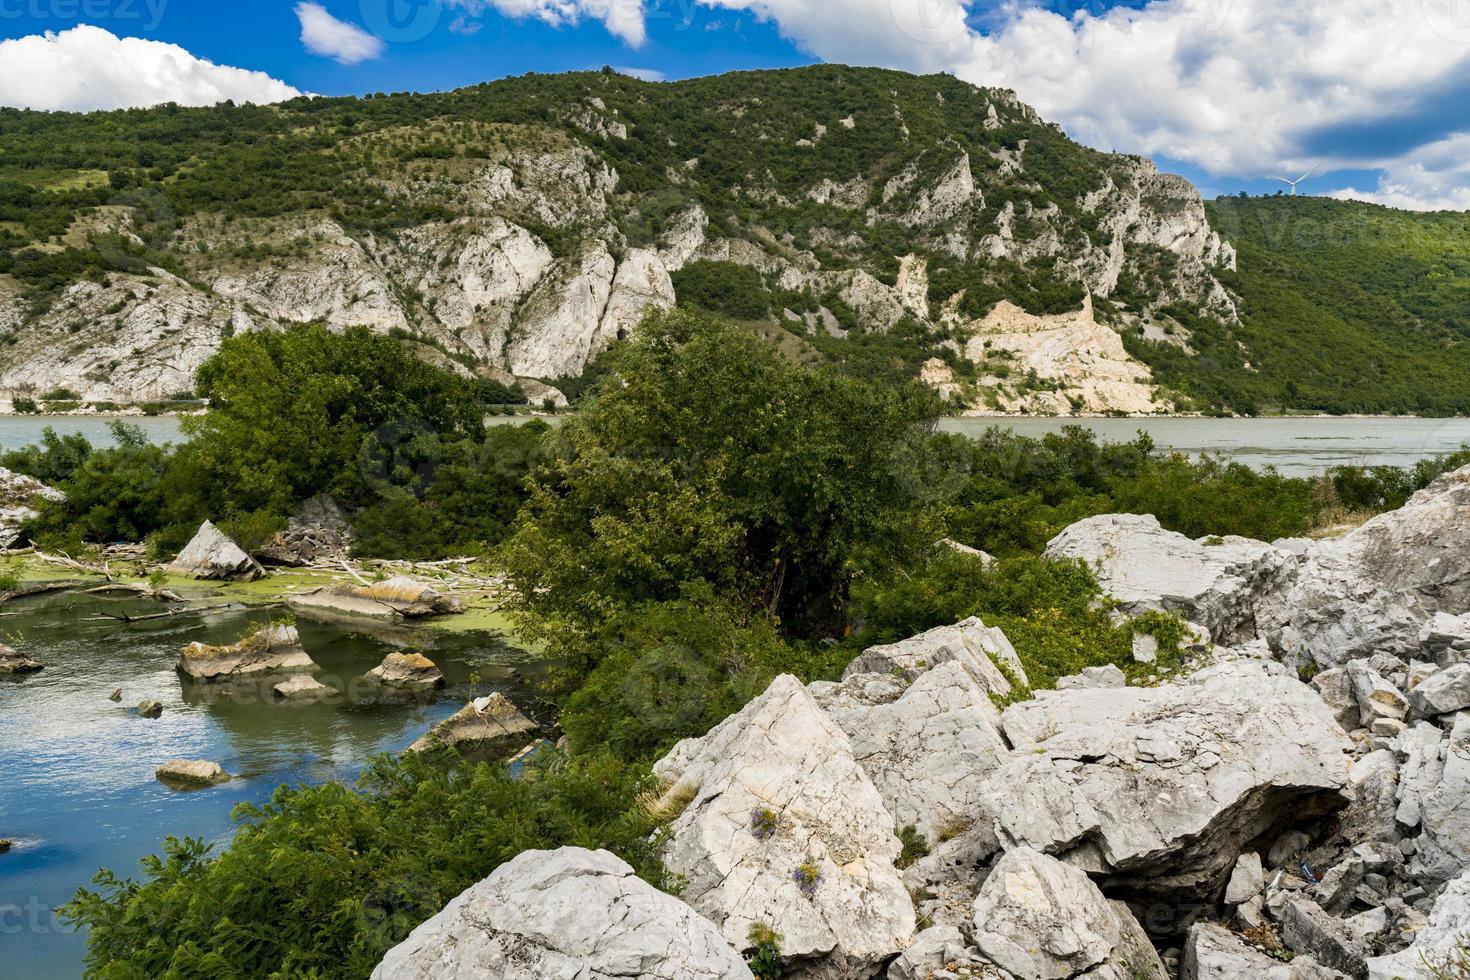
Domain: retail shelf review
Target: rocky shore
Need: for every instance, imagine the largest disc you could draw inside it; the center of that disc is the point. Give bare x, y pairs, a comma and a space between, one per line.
1294, 804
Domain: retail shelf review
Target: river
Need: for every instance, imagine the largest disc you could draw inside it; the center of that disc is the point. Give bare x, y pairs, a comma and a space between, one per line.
77, 790
1302, 446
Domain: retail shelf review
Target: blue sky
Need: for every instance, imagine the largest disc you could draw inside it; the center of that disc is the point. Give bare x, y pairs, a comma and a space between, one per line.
1372, 92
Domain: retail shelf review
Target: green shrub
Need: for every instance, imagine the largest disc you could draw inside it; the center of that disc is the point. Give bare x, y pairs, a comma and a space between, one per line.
724, 288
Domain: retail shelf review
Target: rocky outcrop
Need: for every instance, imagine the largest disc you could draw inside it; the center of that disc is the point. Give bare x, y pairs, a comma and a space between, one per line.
319, 531
484, 727
273, 650
1215, 953
1377, 588
1158, 789
1229, 586
567, 913
12, 662
212, 555
394, 598
21, 498
1434, 797
408, 672
1442, 944
1040, 919
983, 652
187, 774
782, 826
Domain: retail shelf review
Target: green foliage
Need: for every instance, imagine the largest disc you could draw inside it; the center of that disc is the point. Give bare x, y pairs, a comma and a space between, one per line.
322, 881
915, 846
112, 494
764, 957
715, 461
723, 287
54, 461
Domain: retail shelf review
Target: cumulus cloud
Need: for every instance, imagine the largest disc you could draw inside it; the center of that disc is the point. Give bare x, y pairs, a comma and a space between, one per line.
1435, 177
329, 37
87, 68
623, 18
645, 74
918, 35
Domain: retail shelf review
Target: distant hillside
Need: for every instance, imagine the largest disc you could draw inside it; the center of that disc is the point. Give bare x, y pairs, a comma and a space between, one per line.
904, 226
1345, 307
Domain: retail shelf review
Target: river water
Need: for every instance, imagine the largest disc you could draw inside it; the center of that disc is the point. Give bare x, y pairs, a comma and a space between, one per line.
1295, 446
77, 790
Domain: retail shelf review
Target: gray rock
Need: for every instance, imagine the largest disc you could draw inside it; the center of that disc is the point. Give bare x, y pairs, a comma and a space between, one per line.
1226, 585
485, 726
1438, 942
408, 671
21, 500
781, 825
273, 650
1145, 649
212, 555
1374, 589
1441, 787
1287, 848
983, 651
927, 747
1235, 752
568, 914
930, 952
301, 687
1309, 931
1336, 688
13, 662
392, 599
1105, 676
1376, 697
319, 531
1213, 952
1247, 880
191, 774
1442, 693
1339, 885
1445, 639
150, 710
1041, 919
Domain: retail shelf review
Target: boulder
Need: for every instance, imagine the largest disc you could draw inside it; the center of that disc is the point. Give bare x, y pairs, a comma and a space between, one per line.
273, 650
1439, 944
1307, 930
1438, 788
484, 726
927, 746
1105, 676
1376, 697
1228, 586
1163, 787
1376, 588
1336, 688
570, 913
781, 825
408, 671
13, 662
1040, 919
301, 687
394, 598
1247, 880
983, 651
1443, 692
1215, 953
1445, 639
319, 531
21, 497
186, 774
212, 555
151, 710
933, 950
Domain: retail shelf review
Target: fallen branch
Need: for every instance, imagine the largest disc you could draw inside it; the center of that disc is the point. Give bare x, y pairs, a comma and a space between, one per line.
159, 595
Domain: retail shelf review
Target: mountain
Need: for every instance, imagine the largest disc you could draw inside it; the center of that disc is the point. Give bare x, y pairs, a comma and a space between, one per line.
903, 225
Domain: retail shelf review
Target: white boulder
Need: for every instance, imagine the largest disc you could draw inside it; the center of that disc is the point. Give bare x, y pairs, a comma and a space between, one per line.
569, 914
212, 555
1438, 945
983, 651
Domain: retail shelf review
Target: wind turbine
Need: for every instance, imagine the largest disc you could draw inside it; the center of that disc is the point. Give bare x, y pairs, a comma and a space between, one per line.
1292, 183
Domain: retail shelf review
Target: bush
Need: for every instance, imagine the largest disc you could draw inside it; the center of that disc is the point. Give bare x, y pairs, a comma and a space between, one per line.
724, 288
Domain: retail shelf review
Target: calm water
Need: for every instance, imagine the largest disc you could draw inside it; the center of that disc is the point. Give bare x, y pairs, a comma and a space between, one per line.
24, 430
1295, 446
77, 790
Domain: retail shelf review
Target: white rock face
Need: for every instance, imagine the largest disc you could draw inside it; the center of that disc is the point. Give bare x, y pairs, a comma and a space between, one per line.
569, 914
561, 323
641, 284
1226, 585
1215, 953
1374, 589
1165, 785
983, 651
1040, 919
1434, 794
927, 746
1443, 692
778, 796
212, 555
20, 495
1448, 928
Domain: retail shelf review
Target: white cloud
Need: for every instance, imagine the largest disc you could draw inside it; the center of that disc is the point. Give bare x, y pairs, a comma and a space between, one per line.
87, 68
623, 18
645, 74
329, 37
919, 35
1435, 177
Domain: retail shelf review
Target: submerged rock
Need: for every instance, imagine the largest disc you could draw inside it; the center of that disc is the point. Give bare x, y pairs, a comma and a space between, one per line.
408, 671
569, 913
781, 826
150, 710
301, 687
394, 598
1162, 788
273, 650
1040, 919
483, 725
212, 555
1376, 588
13, 662
184, 773
1226, 585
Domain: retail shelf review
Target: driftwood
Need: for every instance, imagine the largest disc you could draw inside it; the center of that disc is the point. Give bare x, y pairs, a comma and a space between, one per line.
160, 595
66, 561
170, 613
41, 588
